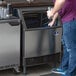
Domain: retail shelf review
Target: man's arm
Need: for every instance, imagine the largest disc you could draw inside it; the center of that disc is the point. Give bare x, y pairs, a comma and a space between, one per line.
51, 23
57, 6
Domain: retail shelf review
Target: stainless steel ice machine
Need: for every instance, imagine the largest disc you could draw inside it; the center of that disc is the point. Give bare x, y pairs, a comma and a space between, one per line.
9, 44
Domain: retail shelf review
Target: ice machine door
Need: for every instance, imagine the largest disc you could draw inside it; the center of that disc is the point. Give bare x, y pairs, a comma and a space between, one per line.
9, 45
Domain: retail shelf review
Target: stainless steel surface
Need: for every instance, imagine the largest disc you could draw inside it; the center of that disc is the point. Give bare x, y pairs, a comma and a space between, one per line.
9, 46
42, 42
58, 36
37, 43
34, 9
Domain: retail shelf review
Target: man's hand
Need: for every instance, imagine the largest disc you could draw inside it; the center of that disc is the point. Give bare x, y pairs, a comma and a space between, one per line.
49, 14
51, 23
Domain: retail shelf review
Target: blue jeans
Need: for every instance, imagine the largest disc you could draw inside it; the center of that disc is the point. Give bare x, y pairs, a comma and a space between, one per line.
69, 45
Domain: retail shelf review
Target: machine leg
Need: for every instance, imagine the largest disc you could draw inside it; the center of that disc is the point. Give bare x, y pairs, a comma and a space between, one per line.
24, 66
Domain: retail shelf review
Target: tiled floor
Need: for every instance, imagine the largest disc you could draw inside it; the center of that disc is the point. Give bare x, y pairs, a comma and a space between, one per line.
43, 70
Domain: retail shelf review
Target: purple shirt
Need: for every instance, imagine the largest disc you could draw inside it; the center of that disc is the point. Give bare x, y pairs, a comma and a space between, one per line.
68, 11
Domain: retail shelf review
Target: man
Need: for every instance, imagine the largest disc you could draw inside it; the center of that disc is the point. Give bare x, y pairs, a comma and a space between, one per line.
67, 11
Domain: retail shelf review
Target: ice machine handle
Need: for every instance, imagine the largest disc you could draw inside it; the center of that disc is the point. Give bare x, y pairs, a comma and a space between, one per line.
14, 23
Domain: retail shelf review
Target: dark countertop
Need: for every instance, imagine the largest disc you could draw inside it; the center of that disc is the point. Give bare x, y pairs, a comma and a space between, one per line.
26, 4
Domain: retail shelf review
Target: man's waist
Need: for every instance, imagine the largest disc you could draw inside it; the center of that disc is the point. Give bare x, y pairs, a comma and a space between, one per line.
68, 18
